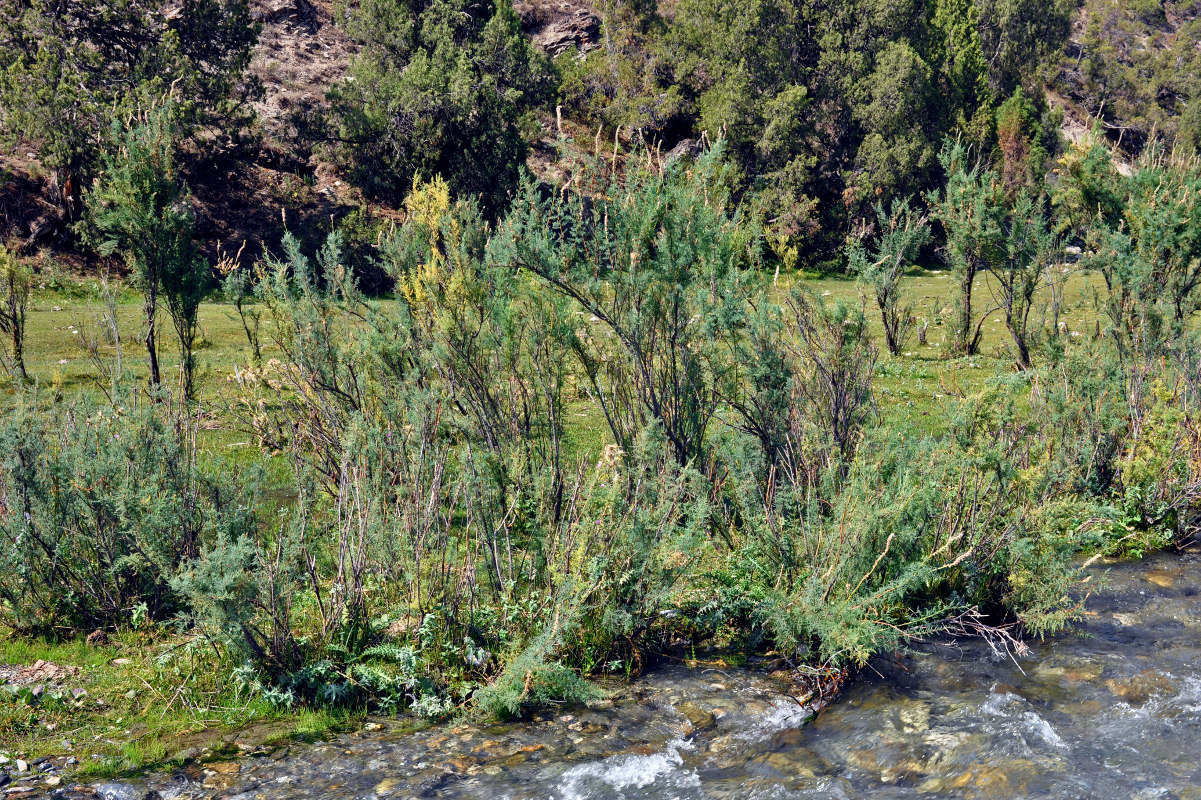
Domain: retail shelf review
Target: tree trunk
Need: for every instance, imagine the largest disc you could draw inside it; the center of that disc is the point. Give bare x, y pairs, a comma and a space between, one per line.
151, 346
891, 327
19, 353
1019, 341
967, 343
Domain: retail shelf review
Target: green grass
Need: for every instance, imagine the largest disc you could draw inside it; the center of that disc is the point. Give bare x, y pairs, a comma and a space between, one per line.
151, 699
910, 389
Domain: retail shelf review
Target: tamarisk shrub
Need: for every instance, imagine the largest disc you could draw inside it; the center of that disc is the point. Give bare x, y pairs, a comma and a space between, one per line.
139, 207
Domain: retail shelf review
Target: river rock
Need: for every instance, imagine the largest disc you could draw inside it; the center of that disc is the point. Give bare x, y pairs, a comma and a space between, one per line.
1083, 673
699, 718
983, 782
1161, 578
915, 716
788, 764
1138, 689
386, 787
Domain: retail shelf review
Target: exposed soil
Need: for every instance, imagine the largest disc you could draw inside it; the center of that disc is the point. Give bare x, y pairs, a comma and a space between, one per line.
39, 672
301, 53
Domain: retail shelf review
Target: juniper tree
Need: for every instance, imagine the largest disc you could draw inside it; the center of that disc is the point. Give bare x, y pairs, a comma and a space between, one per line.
139, 207
67, 65
439, 88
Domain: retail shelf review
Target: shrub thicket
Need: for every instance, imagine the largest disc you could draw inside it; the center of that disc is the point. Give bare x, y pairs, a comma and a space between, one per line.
101, 505
453, 537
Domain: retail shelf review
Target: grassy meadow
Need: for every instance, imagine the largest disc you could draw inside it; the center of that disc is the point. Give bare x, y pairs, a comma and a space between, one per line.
906, 386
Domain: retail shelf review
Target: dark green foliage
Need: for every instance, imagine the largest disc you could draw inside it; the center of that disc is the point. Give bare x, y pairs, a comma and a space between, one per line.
1016, 35
959, 57
626, 81
1087, 190
825, 109
66, 68
1164, 227
439, 89
1021, 152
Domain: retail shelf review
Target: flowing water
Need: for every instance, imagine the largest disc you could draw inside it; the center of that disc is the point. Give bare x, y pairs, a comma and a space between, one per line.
1110, 711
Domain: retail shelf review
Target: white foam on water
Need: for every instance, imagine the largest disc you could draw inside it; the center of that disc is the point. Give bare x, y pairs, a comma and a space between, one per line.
785, 714
1009, 706
1042, 729
611, 777
1187, 698
998, 702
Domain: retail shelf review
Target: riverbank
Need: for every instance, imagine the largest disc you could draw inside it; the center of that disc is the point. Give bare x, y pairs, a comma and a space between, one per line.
1109, 709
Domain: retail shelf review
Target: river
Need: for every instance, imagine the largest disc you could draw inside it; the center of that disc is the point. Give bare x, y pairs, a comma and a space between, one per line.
1109, 710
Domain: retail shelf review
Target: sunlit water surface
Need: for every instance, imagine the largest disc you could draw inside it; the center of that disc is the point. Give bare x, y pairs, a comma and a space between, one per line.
1112, 711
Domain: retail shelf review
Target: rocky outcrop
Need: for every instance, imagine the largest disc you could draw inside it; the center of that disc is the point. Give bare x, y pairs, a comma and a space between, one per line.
560, 25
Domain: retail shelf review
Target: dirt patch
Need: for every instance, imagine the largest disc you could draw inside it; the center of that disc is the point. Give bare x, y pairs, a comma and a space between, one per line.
39, 672
301, 53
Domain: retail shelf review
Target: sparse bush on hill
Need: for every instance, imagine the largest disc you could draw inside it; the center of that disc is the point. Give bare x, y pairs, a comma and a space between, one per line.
67, 68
